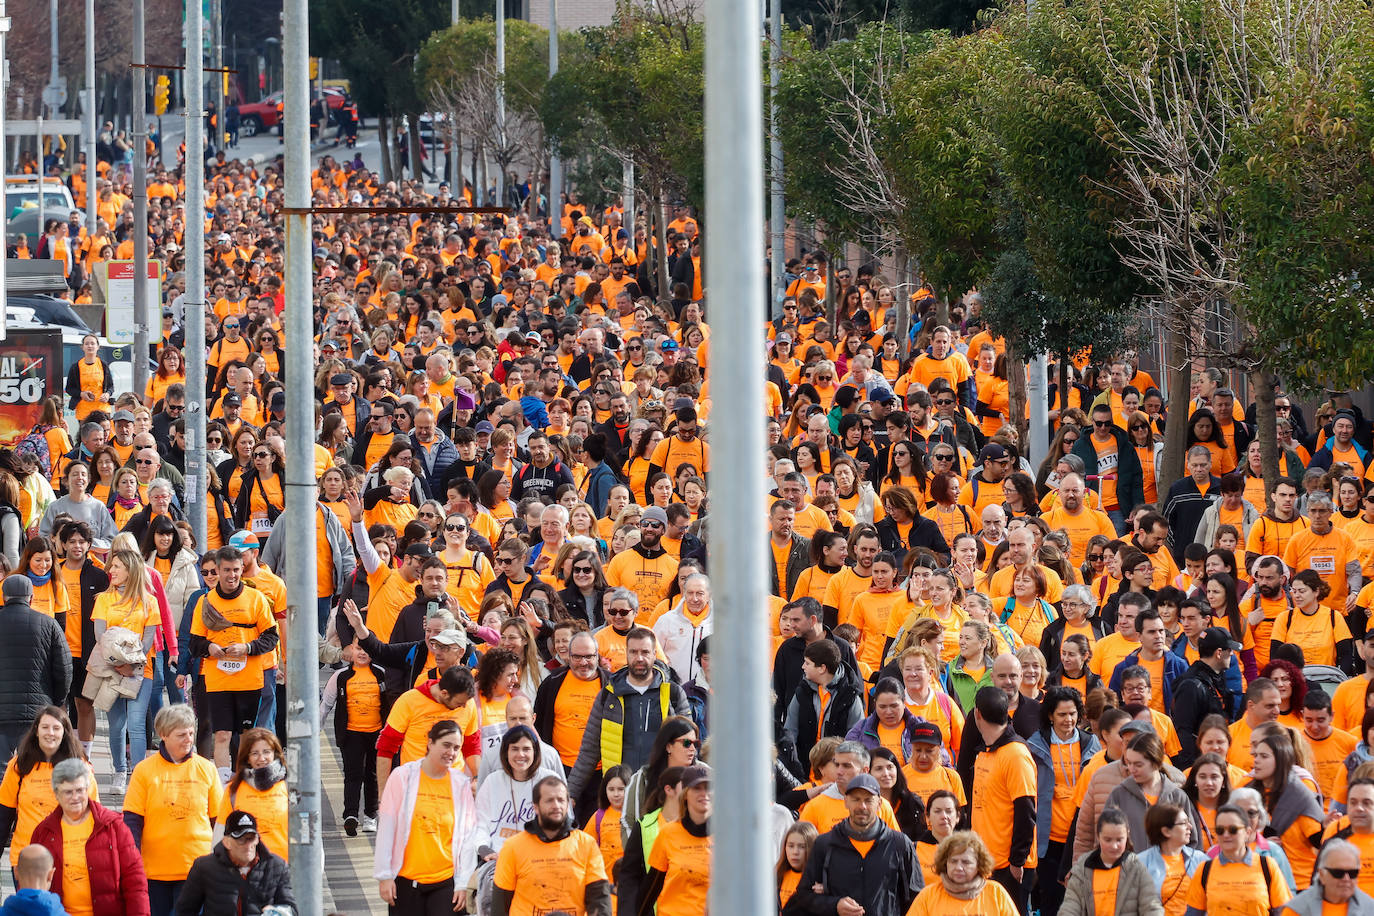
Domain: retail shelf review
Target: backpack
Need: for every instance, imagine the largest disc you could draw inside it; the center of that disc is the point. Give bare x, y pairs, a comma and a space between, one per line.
23, 534
35, 445
1265, 867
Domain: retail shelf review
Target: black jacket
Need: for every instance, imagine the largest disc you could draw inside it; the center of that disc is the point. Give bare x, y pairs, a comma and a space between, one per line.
596, 896
93, 582
341, 698
35, 664
546, 700
579, 608
1199, 693
787, 671
803, 726
924, 533
214, 886
1053, 637
884, 882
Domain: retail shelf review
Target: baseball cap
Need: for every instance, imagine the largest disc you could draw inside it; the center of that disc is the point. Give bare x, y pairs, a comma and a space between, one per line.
925, 733
122, 416
321, 252
882, 396
1138, 727
449, 637
240, 824
668, 344
420, 550
683, 404
244, 540
329, 345
864, 782
340, 378
695, 775
1214, 638
533, 337
223, 237
992, 452
232, 399
278, 400
484, 427
655, 514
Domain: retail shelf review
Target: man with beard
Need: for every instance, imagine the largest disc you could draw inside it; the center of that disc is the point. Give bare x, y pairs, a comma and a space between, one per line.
1263, 606
551, 865
647, 569
634, 704
616, 429
1079, 522
861, 867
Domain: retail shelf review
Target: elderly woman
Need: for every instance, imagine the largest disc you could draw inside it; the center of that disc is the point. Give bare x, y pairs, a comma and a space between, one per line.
391, 503
104, 874
172, 797
1078, 606
1265, 894
1335, 885
1249, 801
964, 867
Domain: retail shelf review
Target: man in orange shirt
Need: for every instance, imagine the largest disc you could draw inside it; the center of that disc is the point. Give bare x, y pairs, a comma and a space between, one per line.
1328, 551
551, 866
1003, 799
1078, 521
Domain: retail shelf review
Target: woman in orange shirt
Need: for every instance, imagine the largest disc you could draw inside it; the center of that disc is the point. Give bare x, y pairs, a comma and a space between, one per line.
261, 496
49, 594
171, 369
1203, 430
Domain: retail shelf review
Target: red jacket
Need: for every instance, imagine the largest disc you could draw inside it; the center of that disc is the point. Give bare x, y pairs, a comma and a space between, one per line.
119, 886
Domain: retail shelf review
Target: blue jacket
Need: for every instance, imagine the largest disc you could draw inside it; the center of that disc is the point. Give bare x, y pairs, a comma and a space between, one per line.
30, 902
1174, 668
1153, 860
1039, 744
600, 480
865, 731
1235, 684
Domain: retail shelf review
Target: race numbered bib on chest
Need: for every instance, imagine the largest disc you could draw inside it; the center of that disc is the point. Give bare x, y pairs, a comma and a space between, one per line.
231, 665
262, 524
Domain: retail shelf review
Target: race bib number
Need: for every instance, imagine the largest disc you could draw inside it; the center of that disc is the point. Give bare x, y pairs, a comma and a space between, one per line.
262, 525
231, 665
1323, 565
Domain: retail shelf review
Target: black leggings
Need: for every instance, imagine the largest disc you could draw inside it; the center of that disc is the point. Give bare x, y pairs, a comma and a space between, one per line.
359, 751
415, 899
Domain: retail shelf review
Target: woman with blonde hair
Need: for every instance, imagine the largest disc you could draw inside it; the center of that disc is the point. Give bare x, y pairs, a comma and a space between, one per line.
518, 636
129, 604
964, 867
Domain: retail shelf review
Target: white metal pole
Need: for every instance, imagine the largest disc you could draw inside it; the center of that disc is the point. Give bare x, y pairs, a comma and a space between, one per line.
455, 165
1037, 393
139, 100
193, 303
627, 198
500, 101
777, 215
303, 675
555, 161
217, 61
742, 726
90, 121
4, 163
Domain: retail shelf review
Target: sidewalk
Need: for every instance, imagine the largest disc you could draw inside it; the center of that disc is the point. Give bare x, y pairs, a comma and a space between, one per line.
348, 885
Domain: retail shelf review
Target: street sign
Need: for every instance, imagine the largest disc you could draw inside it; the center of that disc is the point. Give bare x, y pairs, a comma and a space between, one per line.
55, 94
62, 127
119, 298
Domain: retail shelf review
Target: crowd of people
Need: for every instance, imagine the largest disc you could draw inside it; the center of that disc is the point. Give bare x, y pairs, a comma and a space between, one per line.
1077, 687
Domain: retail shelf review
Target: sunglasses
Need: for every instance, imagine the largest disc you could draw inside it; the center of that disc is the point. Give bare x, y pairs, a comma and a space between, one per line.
944, 402
942, 457
620, 612
1351, 873
262, 454
693, 743
1102, 424
1229, 831
583, 570
231, 324
635, 349
456, 528
1138, 427
1095, 558
143, 461
427, 514
503, 561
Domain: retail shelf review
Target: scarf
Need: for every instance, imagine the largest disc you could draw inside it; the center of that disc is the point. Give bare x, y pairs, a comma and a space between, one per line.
127, 502
264, 778
847, 829
40, 580
967, 891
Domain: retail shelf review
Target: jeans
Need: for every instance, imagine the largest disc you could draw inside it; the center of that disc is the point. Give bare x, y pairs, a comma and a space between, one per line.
155, 700
174, 693
322, 607
162, 896
267, 706
133, 716
1118, 520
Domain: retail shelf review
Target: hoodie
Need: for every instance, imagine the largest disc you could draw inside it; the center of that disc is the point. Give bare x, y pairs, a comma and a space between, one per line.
596, 895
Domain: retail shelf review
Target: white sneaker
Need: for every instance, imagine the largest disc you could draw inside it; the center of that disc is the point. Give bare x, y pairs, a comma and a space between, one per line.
368, 824
120, 784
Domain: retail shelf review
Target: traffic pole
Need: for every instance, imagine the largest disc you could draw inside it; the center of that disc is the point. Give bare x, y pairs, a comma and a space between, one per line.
742, 728
555, 161
139, 100
777, 215
302, 659
500, 101
455, 163
5, 163
193, 302
90, 122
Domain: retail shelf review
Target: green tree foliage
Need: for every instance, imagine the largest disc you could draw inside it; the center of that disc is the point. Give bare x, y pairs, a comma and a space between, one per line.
834, 106
454, 55
375, 42
635, 88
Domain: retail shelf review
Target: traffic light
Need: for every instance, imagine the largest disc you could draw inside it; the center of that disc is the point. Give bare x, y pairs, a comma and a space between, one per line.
160, 95
314, 68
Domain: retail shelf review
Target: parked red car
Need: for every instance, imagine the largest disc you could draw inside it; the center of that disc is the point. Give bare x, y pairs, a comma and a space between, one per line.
257, 117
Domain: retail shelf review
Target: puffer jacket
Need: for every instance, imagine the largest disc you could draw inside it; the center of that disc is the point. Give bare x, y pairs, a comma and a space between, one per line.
35, 663
1130, 800
1136, 894
214, 886
1100, 786
119, 886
